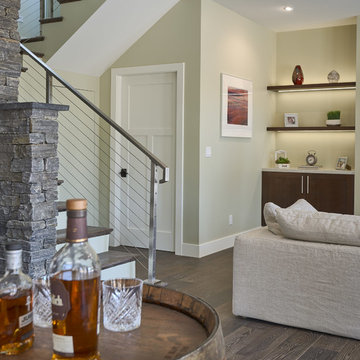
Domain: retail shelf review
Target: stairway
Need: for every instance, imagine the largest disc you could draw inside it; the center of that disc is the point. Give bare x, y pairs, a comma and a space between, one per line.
114, 263
55, 31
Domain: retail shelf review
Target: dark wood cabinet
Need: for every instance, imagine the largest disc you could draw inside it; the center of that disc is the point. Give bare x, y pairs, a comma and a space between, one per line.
326, 192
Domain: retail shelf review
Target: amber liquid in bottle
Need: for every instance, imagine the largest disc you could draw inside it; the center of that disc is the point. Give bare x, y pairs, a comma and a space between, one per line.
75, 291
16, 327
84, 309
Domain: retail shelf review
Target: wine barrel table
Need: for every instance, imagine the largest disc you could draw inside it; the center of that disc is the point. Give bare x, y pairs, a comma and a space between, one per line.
174, 325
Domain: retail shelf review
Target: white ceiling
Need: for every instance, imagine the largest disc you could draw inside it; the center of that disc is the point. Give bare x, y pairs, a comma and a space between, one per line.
307, 14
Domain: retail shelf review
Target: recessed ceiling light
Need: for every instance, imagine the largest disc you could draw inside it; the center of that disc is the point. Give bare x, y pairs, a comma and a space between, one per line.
288, 8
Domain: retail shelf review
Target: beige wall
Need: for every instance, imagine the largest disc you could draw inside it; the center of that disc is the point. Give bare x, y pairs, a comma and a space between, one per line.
318, 51
174, 39
230, 181
211, 40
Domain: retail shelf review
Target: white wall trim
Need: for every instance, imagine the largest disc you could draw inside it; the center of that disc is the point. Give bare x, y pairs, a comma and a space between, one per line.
212, 247
179, 69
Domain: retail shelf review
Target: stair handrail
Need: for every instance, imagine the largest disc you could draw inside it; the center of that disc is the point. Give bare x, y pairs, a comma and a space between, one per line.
51, 73
155, 162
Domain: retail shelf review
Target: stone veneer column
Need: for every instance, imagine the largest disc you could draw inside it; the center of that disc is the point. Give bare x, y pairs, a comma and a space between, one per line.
10, 58
28, 181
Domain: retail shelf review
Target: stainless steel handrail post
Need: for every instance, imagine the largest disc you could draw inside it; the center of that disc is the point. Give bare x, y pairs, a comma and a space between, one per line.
152, 225
48, 88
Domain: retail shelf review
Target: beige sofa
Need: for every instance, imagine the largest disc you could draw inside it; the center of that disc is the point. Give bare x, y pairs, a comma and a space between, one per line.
299, 282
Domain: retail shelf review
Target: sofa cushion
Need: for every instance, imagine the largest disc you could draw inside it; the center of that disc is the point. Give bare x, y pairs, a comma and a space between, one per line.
319, 226
270, 213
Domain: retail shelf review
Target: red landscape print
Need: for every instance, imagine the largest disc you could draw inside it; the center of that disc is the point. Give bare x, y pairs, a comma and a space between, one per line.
237, 113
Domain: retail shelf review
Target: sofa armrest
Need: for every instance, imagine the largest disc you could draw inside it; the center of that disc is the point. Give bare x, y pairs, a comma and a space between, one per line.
298, 283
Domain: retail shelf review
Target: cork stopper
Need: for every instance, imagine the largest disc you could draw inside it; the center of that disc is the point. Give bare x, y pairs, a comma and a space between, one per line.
76, 204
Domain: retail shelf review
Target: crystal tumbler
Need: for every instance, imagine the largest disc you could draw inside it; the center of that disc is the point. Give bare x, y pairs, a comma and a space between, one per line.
42, 302
122, 300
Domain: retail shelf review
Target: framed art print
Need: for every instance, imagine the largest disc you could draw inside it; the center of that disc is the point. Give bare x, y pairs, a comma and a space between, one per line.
236, 106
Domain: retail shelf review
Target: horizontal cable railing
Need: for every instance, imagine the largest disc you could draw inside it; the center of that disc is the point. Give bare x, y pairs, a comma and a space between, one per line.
30, 14
101, 162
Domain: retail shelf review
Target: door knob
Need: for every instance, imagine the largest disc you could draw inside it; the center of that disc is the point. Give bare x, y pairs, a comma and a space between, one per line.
123, 173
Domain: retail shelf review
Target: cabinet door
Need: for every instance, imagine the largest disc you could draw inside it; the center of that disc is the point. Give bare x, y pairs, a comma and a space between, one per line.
283, 189
331, 193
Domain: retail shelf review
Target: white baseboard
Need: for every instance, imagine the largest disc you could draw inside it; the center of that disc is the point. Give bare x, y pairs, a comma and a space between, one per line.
211, 247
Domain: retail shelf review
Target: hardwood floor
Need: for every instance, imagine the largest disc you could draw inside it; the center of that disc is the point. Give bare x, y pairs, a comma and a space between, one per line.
210, 278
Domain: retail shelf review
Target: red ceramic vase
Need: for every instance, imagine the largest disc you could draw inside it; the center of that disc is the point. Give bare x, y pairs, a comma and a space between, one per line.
298, 76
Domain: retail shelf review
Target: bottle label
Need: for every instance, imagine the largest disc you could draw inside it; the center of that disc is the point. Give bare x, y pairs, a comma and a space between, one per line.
26, 319
14, 260
76, 228
63, 344
60, 300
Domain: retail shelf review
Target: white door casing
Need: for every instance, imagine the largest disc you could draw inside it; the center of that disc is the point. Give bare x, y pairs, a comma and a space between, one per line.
148, 113
138, 88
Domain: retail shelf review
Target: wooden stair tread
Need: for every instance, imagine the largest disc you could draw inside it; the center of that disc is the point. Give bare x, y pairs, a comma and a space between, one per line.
61, 206
32, 39
113, 258
66, 1
93, 231
51, 20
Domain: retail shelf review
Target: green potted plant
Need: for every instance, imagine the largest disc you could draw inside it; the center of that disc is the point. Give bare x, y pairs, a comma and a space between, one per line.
333, 118
282, 162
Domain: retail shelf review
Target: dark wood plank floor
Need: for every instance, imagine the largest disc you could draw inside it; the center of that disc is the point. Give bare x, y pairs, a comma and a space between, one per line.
210, 278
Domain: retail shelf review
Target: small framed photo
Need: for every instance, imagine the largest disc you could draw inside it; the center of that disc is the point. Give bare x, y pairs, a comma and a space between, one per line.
341, 162
291, 120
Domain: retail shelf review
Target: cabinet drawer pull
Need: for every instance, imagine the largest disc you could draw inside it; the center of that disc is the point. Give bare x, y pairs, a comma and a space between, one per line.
302, 184
308, 185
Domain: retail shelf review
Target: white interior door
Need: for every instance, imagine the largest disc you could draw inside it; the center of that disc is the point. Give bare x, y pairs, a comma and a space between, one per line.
147, 107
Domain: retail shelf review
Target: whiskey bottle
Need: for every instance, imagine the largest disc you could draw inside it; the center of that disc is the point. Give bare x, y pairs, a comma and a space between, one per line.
75, 291
16, 318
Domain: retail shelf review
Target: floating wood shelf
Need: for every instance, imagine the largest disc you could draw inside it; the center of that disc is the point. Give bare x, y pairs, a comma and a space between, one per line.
312, 128
314, 87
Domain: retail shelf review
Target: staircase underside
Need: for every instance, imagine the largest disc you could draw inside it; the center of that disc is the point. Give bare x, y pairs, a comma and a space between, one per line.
122, 23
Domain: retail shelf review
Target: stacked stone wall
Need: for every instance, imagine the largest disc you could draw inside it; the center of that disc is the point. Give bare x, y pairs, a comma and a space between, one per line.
28, 158
10, 58
28, 182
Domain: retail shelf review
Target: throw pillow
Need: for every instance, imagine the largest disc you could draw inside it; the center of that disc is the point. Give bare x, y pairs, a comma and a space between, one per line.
270, 213
319, 226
